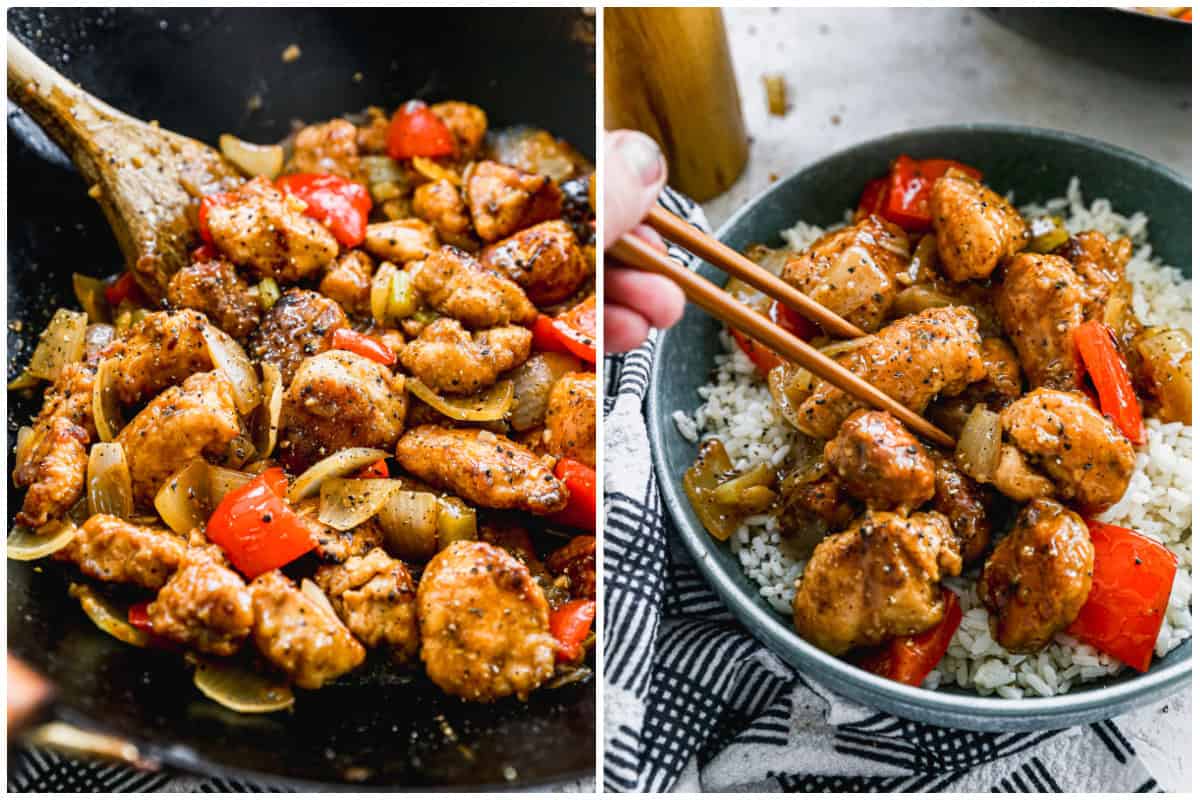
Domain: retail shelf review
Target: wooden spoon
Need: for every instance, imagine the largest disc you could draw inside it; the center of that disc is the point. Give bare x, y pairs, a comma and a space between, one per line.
147, 180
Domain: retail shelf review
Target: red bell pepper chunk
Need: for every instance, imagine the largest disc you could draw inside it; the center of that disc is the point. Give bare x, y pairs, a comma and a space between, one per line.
581, 486
124, 287
569, 625
377, 470
764, 358
1097, 348
139, 617
204, 253
573, 331
206, 204
793, 321
908, 659
417, 131
1131, 587
363, 345
340, 205
257, 529
909, 185
873, 198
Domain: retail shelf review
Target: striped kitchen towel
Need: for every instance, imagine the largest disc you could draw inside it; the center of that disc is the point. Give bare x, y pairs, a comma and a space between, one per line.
693, 702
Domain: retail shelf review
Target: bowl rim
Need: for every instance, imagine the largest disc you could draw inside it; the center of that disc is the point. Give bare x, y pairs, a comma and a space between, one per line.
1097, 701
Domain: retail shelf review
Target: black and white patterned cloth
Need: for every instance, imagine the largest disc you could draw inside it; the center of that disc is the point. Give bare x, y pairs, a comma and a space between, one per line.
693, 702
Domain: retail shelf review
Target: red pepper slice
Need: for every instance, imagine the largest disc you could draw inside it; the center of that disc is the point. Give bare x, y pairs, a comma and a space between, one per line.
569, 625
139, 617
908, 659
206, 204
204, 253
1097, 347
873, 198
765, 359
581, 485
363, 345
573, 331
909, 185
124, 287
377, 470
340, 205
417, 131
256, 528
1131, 587
793, 321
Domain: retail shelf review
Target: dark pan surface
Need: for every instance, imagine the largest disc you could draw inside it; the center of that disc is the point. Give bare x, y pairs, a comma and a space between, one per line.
195, 71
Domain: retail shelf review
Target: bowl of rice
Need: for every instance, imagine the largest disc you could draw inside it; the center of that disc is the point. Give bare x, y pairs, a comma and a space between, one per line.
703, 386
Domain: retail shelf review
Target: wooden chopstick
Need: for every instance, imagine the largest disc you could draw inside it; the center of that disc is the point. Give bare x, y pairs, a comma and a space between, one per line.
719, 303
723, 256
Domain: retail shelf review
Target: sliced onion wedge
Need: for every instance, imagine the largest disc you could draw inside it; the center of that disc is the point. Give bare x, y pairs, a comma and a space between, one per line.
229, 357
61, 343
410, 524
252, 160
338, 465
266, 424
532, 383
26, 544
318, 598
107, 616
347, 503
222, 481
978, 450
109, 484
24, 441
106, 410
184, 502
242, 690
489, 405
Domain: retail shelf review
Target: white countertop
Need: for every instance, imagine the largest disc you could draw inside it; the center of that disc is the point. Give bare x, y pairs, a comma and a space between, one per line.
855, 74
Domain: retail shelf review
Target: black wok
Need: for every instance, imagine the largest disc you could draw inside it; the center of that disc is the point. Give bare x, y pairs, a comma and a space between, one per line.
195, 71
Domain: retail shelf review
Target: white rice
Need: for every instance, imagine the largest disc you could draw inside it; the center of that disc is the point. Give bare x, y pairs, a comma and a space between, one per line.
737, 408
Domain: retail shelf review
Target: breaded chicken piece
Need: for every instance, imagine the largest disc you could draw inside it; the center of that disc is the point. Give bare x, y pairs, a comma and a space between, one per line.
441, 204
485, 624
332, 544
260, 228
205, 605
297, 327
468, 125
401, 240
327, 148
111, 549
999, 387
503, 199
215, 289
348, 281
482, 468
458, 286
1100, 263
198, 417
1040, 303
963, 502
976, 228
878, 579
544, 260
571, 418
880, 462
160, 351
449, 359
376, 597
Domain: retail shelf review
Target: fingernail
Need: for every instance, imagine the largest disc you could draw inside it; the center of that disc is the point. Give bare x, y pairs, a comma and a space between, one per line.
642, 155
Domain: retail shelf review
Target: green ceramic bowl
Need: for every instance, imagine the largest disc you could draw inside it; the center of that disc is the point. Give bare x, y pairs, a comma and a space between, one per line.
1034, 165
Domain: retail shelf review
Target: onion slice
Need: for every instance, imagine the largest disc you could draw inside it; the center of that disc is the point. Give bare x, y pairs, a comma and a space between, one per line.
318, 598
106, 410
455, 521
489, 405
24, 440
266, 431
348, 503
107, 616
978, 450
61, 343
222, 481
252, 160
338, 465
26, 544
241, 690
229, 357
109, 484
184, 501
532, 383
410, 524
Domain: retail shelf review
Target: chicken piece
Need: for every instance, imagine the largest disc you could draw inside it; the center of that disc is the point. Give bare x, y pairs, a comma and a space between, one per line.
449, 359
976, 228
261, 228
913, 359
297, 326
963, 503
571, 418
577, 561
813, 495
52, 461
348, 281
377, 599
485, 624
1017, 480
1162, 372
160, 351
1037, 579
205, 605
1100, 263
300, 635
1040, 304
468, 125
880, 462
334, 545
503, 199
111, 549
337, 400
372, 134
458, 286
875, 580
999, 387
441, 204
1081, 450
197, 418
214, 288
482, 468
328, 148
852, 271
514, 538
544, 260
401, 240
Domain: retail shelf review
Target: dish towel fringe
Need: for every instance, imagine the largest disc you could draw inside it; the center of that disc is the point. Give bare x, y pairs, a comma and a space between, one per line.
693, 702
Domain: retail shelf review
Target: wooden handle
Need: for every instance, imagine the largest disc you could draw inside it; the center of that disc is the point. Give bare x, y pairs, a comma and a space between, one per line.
725, 257
710, 297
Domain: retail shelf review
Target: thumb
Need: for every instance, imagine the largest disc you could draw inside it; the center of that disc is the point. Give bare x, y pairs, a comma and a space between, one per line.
634, 174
